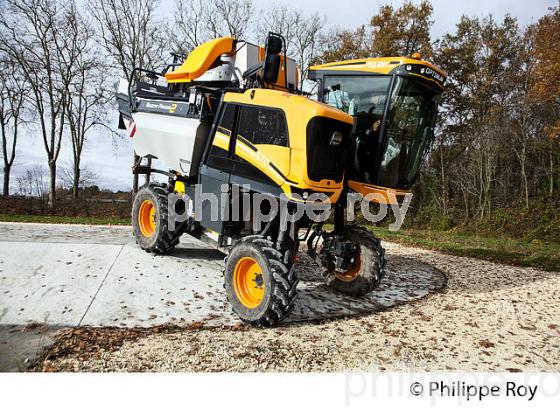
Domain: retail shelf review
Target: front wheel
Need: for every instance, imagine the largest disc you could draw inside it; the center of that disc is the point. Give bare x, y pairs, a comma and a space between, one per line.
150, 220
364, 266
260, 281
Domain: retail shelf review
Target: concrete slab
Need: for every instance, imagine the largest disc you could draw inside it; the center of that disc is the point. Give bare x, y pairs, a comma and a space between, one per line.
185, 286
69, 276
58, 233
51, 283
181, 287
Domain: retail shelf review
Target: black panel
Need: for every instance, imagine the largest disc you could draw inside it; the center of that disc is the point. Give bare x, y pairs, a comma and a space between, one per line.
179, 109
421, 70
325, 161
245, 169
218, 157
211, 181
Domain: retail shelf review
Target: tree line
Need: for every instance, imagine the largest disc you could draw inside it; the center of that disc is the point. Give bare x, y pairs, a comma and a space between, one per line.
498, 136
60, 60
497, 140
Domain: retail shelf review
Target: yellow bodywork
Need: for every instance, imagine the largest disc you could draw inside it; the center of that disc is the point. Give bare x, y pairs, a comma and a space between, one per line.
179, 187
200, 60
378, 65
291, 161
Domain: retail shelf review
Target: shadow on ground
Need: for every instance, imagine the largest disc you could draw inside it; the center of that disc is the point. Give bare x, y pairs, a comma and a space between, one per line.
21, 345
406, 280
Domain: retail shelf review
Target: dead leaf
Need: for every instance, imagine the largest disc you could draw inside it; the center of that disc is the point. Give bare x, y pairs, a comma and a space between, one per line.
486, 344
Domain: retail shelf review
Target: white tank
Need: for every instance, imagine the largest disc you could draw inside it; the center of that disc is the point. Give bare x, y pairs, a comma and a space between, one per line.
170, 139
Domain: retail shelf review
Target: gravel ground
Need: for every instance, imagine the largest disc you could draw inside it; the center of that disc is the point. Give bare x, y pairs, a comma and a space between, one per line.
491, 317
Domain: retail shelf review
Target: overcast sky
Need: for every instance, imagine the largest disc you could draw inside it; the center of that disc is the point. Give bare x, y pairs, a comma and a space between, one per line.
352, 13
111, 158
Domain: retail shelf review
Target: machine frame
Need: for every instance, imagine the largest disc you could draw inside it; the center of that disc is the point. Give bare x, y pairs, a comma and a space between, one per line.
311, 154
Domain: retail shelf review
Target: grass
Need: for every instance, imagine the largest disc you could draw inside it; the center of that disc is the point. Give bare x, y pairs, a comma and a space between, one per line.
543, 255
52, 219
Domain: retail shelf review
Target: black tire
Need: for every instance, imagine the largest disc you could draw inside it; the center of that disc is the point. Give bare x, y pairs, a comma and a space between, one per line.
162, 239
371, 264
278, 278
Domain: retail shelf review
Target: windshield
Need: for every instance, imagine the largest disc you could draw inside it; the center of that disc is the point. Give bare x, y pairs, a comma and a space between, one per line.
391, 159
408, 131
356, 94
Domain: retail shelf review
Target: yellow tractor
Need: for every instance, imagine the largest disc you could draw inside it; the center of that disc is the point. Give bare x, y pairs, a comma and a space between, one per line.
230, 123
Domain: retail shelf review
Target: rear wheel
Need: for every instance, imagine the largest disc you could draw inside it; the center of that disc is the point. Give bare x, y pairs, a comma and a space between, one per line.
150, 220
367, 268
260, 281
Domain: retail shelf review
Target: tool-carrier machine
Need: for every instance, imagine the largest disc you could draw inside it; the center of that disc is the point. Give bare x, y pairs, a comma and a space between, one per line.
231, 122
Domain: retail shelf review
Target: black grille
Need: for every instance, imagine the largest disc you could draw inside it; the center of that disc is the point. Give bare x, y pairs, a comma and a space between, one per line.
325, 161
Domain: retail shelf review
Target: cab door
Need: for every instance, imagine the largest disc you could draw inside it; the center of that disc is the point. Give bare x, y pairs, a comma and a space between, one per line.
216, 171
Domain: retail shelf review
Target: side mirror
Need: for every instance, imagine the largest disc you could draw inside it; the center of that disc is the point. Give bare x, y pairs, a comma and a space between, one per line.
271, 68
273, 48
273, 44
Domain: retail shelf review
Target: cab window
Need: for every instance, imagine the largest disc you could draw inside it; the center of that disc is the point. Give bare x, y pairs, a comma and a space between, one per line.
260, 125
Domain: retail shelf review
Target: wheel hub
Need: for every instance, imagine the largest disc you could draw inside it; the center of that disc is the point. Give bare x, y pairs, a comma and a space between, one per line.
352, 273
343, 257
248, 282
147, 218
259, 281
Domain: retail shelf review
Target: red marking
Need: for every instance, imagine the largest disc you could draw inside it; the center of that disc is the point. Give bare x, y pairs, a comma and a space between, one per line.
131, 129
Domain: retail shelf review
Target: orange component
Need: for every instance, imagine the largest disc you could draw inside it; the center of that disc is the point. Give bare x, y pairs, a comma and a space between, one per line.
248, 282
147, 218
377, 194
200, 60
351, 273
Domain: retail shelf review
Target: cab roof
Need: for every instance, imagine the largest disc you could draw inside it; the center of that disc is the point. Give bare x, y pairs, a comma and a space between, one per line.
379, 65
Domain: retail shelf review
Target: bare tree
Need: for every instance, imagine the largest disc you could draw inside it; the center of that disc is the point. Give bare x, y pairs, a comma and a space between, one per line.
307, 43
280, 19
31, 35
230, 18
129, 32
33, 182
13, 92
87, 90
88, 176
189, 29
131, 35
197, 21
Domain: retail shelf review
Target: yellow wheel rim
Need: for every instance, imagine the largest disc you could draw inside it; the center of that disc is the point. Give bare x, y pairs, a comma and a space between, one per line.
248, 282
147, 218
351, 273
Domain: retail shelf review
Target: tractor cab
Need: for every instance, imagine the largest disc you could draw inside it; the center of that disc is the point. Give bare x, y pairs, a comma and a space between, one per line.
394, 105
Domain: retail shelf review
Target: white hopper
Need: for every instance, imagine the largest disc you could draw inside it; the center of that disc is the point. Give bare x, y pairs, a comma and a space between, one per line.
169, 138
